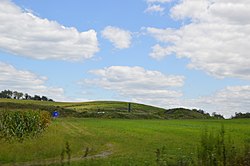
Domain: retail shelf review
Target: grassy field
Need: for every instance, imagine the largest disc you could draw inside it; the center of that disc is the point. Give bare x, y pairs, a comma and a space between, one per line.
103, 109
116, 141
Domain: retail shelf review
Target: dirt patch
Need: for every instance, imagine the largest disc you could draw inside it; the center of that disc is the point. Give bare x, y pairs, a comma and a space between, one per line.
102, 154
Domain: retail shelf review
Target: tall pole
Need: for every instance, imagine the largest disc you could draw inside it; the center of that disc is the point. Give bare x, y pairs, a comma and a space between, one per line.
129, 107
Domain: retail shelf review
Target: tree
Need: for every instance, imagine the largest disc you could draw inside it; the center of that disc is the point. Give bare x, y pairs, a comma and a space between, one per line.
44, 98
26, 96
36, 97
217, 116
15, 94
6, 94
241, 115
19, 95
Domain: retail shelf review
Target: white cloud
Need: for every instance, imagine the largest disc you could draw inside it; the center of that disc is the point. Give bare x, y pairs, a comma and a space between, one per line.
226, 101
118, 37
27, 82
140, 85
154, 8
194, 9
23, 33
216, 40
160, 52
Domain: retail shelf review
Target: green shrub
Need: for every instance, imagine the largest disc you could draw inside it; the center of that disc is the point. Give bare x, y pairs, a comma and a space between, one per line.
21, 124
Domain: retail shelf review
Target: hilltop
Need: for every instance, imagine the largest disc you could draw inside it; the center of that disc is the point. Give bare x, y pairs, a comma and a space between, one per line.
104, 109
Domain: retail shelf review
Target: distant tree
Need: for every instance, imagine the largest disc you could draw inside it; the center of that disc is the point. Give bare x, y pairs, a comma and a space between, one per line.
2, 95
241, 115
44, 98
217, 116
26, 96
201, 111
36, 97
15, 94
19, 95
6, 94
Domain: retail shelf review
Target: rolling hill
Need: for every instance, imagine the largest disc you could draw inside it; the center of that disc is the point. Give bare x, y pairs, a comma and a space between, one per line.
103, 109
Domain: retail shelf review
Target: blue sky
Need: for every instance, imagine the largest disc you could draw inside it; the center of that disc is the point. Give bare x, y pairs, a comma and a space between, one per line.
167, 53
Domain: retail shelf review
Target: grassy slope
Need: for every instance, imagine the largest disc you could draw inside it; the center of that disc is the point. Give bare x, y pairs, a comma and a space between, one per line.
132, 142
104, 109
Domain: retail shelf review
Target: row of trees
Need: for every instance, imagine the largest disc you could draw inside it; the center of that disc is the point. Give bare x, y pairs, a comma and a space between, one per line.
239, 115
8, 94
214, 114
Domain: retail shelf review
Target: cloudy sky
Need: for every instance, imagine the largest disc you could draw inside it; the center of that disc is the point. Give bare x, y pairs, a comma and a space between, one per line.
167, 53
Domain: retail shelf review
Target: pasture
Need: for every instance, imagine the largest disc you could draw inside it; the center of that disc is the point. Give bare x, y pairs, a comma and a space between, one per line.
116, 141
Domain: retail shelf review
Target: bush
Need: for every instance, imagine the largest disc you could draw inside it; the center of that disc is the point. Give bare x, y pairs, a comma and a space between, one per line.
21, 124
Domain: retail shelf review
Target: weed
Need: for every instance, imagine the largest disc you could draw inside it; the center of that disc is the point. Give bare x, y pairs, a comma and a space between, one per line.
86, 152
68, 151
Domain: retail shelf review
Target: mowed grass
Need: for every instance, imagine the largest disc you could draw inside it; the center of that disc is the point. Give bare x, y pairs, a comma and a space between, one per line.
129, 142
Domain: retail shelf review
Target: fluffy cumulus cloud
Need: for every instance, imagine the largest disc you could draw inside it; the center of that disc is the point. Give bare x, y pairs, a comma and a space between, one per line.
154, 8
226, 102
215, 39
28, 82
23, 33
118, 37
139, 85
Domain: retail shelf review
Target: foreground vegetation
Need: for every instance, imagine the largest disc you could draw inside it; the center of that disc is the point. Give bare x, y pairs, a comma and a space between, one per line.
117, 141
22, 124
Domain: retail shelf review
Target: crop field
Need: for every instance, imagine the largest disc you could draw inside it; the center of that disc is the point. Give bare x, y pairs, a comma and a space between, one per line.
115, 141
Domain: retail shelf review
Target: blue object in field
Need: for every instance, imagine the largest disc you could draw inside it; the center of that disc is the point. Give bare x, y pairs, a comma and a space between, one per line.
55, 114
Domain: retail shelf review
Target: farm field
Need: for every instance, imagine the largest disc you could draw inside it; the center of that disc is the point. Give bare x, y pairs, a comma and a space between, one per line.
116, 141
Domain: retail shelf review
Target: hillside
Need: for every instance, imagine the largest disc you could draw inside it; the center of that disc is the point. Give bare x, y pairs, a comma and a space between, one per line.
103, 109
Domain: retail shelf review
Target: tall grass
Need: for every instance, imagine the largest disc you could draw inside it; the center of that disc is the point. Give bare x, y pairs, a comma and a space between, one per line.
214, 149
219, 150
21, 124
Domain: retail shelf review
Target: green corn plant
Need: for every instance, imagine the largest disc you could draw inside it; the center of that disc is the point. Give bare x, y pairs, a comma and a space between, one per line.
21, 124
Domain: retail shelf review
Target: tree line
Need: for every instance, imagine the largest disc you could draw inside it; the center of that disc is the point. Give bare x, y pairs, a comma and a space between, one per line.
239, 115
8, 94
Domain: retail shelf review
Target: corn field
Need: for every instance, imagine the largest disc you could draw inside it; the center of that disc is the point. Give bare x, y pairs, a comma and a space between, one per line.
22, 124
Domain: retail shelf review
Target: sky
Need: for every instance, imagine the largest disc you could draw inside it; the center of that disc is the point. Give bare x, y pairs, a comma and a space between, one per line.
166, 53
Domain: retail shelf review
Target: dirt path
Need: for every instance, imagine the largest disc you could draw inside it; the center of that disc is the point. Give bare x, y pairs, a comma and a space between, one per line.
103, 154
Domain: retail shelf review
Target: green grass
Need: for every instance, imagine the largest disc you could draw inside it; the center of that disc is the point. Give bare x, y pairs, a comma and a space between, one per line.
132, 142
102, 109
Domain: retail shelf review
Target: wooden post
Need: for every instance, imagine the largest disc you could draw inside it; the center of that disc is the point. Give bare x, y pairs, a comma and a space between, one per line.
129, 107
